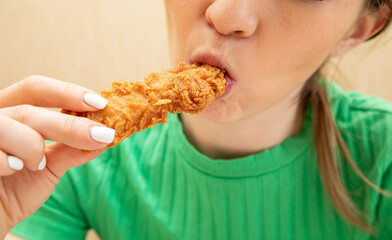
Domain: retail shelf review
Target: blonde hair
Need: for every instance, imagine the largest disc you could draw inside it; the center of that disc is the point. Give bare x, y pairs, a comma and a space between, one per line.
328, 140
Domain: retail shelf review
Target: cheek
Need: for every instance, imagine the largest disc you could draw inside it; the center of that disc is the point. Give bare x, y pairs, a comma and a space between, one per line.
297, 44
183, 17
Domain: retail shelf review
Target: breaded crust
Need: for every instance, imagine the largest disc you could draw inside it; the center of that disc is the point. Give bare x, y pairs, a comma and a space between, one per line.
135, 106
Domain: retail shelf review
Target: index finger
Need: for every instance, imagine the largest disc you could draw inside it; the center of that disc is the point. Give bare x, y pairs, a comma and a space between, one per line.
42, 91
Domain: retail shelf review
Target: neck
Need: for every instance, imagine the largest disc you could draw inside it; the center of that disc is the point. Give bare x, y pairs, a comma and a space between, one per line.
246, 136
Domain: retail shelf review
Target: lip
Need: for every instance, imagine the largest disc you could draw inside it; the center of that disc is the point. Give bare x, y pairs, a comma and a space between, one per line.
216, 62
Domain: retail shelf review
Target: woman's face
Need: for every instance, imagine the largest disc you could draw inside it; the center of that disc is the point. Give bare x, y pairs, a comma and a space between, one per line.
268, 47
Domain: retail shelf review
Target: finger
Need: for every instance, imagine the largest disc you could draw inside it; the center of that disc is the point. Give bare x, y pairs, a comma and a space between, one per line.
9, 164
74, 131
17, 139
62, 157
46, 92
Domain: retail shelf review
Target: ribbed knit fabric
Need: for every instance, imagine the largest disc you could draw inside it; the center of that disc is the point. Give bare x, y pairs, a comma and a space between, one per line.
156, 185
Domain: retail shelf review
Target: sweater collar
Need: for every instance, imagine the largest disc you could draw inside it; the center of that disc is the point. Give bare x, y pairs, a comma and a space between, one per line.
264, 162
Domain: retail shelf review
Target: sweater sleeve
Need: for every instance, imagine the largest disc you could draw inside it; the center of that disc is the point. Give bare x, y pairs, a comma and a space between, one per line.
61, 217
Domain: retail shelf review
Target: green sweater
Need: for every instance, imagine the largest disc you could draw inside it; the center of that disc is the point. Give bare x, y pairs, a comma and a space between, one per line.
156, 185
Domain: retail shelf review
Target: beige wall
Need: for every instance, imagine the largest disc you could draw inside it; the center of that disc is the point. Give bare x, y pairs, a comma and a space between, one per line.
89, 42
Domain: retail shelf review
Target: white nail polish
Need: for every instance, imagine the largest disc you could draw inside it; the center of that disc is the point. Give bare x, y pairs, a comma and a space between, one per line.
15, 163
102, 134
42, 164
95, 100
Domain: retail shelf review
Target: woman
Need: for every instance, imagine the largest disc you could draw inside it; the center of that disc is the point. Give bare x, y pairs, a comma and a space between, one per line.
251, 166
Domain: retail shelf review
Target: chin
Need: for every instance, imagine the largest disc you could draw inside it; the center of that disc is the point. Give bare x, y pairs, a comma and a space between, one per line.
219, 112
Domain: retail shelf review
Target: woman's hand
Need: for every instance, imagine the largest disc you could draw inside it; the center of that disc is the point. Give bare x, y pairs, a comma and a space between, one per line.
29, 169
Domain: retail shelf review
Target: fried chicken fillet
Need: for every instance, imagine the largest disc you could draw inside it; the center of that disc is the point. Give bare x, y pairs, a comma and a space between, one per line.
135, 106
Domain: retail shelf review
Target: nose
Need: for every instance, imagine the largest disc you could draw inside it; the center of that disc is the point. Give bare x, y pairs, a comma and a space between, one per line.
232, 17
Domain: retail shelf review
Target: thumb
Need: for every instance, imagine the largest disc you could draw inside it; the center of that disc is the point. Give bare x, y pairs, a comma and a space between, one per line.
61, 157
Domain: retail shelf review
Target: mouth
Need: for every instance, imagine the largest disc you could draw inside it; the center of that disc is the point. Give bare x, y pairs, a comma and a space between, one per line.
219, 63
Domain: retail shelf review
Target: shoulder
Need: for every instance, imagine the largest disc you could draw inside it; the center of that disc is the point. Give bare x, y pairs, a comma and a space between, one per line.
349, 104
365, 123
356, 111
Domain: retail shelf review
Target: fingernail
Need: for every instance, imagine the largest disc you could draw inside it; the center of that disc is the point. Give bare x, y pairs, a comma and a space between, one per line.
15, 163
42, 164
102, 134
95, 100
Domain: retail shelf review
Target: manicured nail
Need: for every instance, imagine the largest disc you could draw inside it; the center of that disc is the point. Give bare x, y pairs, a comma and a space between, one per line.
102, 134
15, 163
95, 100
42, 164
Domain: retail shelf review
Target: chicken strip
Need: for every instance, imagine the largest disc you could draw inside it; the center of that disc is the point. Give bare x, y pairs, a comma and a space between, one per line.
135, 106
